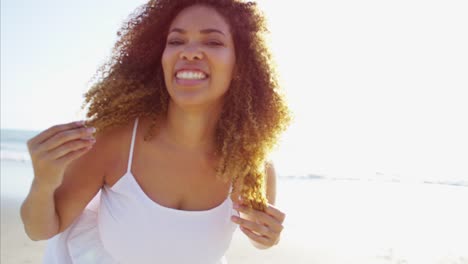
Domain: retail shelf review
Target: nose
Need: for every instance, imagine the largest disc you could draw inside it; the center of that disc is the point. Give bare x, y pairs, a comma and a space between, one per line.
191, 52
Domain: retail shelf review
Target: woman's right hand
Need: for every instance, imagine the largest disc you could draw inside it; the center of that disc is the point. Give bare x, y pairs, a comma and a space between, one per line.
53, 149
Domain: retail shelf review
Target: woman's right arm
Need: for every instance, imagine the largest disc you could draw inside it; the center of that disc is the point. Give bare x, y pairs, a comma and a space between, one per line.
67, 175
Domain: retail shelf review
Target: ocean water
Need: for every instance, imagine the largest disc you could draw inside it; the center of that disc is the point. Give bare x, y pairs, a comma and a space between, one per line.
13, 144
16, 167
17, 173
13, 149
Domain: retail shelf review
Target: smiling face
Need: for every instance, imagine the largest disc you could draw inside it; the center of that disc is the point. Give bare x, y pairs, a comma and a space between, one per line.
199, 57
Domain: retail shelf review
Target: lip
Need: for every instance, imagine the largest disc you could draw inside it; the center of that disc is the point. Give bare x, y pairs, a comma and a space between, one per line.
190, 82
196, 69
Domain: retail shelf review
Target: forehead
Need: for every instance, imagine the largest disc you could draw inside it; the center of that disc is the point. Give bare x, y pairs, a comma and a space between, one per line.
200, 17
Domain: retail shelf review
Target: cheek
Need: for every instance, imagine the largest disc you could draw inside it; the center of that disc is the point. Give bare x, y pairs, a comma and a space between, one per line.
167, 62
226, 64
231, 63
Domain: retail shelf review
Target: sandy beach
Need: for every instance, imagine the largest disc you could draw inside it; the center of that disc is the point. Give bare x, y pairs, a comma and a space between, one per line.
328, 221
17, 248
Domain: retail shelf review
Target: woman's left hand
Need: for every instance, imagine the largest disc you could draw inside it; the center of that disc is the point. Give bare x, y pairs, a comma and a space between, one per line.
263, 228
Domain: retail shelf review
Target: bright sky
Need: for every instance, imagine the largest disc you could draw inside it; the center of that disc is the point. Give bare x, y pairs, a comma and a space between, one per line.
375, 86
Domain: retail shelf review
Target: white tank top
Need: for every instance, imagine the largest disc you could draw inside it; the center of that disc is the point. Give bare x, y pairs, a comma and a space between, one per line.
123, 225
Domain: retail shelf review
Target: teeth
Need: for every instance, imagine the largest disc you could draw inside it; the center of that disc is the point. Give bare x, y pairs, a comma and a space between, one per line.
191, 75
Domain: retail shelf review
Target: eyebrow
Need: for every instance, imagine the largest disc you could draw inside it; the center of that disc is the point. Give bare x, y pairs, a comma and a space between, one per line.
203, 31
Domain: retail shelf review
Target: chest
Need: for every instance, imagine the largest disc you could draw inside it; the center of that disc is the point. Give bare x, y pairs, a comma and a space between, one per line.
173, 179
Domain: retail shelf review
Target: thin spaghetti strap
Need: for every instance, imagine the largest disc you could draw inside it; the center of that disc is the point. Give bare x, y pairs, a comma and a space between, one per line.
130, 156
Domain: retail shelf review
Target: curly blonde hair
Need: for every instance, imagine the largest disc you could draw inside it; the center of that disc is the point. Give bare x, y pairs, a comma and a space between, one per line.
131, 84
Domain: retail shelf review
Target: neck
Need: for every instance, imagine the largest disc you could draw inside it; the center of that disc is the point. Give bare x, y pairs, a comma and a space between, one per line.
192, 129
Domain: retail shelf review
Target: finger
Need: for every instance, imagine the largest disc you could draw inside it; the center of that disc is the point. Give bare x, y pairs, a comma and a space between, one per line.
264, 218
73, 155
275, 212
259, 239
43, 136
67, 136
68, 147
259, 228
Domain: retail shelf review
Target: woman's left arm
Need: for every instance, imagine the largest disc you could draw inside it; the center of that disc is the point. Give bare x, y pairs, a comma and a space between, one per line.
262, 228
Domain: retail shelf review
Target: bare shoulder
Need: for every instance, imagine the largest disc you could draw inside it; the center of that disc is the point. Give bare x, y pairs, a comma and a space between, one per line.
85, 176
270, 182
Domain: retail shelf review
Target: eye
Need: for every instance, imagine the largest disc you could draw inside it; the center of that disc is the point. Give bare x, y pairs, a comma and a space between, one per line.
175, 42
214, 43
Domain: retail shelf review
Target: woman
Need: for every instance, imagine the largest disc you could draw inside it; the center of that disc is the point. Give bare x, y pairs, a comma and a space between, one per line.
175, 149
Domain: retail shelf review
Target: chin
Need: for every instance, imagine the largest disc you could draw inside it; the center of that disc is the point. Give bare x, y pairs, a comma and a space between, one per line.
189, 102
194, 99
196, 103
